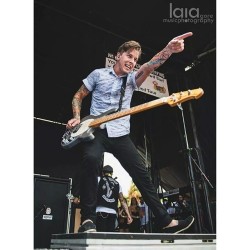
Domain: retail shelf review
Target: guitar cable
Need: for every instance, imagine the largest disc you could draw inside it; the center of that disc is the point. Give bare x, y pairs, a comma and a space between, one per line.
41, 119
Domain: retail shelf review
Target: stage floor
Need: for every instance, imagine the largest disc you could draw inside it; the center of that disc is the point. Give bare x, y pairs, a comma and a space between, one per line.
133, 241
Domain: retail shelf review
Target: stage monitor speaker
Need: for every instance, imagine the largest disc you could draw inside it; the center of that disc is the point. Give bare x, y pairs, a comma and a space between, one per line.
51, 208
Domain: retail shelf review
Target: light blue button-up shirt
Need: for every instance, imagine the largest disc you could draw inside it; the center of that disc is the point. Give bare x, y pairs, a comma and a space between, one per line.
106, 90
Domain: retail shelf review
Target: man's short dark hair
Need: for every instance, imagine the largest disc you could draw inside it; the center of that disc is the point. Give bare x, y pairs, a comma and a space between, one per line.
107, 169
130, 45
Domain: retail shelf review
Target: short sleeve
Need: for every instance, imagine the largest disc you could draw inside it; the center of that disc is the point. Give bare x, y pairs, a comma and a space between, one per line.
91, 80
120, 188
132, 79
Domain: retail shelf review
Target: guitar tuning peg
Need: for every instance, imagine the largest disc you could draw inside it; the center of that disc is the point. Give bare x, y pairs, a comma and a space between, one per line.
173, 96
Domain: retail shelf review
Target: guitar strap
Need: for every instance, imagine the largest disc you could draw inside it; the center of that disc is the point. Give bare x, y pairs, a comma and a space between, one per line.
124, 81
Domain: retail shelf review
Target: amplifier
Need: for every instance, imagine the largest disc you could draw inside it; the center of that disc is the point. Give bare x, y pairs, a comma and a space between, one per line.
51, 208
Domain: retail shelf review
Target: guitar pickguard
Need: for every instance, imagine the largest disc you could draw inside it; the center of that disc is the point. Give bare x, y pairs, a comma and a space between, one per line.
84, 126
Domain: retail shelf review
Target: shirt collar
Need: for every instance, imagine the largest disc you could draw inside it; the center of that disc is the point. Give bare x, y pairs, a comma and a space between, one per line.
111, 71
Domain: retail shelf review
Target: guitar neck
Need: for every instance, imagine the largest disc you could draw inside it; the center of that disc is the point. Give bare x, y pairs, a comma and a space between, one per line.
149, 105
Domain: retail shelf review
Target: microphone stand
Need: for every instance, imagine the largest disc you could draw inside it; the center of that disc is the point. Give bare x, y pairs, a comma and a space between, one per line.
191, 174
204, 178
70, 197
201, 168
148, 169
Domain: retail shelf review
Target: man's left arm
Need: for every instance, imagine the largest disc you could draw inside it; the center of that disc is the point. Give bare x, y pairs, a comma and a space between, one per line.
176, 45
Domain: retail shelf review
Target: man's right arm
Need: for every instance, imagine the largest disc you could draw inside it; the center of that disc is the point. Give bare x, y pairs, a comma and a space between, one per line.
125, 207
76, 106
176, 45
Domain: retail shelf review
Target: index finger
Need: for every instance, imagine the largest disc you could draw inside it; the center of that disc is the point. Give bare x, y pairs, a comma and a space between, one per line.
184, 35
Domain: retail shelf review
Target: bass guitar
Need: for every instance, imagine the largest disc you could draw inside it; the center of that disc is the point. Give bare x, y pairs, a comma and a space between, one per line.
85, 129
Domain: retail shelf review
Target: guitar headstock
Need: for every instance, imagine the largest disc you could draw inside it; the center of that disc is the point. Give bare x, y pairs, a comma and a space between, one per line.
180, 97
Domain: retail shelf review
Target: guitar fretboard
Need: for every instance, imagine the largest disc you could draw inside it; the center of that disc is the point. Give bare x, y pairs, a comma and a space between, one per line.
149, 105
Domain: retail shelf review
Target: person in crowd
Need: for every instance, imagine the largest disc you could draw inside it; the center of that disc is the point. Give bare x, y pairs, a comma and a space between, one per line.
109, 192
144, 216
182, 207
134, 210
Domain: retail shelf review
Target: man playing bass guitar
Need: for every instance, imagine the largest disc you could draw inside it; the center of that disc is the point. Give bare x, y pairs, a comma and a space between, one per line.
105, 85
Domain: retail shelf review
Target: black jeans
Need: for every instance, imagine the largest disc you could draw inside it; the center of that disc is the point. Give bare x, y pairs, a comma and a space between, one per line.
105, 222
126, 153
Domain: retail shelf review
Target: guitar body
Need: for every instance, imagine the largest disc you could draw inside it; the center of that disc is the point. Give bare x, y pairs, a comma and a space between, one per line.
81, 132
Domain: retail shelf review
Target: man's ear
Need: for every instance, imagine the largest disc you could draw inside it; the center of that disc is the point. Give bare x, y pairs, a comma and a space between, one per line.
118, 56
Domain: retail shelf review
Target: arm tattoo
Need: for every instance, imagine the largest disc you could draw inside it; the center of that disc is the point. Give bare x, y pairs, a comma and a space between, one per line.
160, 58
152, 65
139, 75
84, 90
123, 202
77, 101
155, 62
